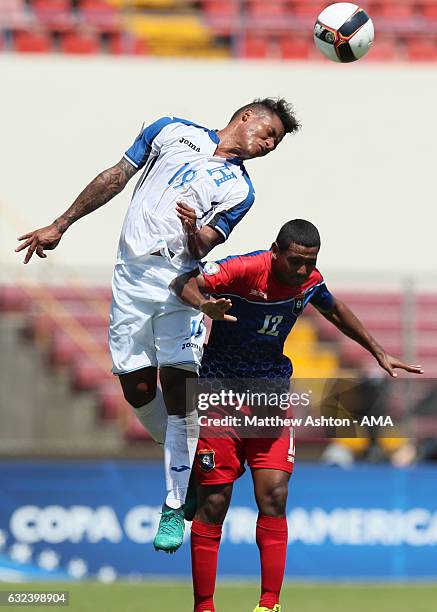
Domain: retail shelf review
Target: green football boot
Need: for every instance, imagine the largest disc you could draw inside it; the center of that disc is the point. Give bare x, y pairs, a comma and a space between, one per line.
190, 506
277, 608
170, 534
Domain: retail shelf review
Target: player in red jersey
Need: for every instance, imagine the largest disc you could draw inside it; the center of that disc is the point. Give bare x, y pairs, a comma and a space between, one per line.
255, 301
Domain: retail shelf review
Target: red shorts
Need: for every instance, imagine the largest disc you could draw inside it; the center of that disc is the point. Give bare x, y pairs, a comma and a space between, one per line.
221, 460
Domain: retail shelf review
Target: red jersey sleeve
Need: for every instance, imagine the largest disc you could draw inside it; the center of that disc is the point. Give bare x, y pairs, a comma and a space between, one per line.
224, 276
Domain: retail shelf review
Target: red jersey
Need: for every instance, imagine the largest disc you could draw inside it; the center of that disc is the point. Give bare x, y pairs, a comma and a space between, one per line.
266, 311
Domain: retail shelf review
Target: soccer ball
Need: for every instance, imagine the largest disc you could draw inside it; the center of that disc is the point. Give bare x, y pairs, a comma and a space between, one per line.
343, 32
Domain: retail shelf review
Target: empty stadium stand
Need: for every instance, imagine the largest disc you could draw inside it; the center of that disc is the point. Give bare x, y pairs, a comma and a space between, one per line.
253, 29
69, 324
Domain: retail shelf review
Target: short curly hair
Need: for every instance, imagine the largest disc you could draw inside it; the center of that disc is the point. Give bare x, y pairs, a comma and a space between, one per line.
298, 231
278, 106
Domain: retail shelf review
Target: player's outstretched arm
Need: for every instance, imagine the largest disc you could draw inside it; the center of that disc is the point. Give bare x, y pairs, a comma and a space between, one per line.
190, 288
345, 320
200, 241
102, 189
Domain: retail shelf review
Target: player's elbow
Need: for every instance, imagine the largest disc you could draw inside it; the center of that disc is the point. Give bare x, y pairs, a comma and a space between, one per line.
206, 240
176, 286
181, 285
203, 250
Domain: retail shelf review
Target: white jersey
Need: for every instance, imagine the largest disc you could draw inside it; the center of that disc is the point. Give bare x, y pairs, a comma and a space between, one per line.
177, 158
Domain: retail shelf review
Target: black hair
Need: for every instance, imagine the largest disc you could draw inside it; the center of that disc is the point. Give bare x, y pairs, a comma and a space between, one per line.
298, 231
279, 106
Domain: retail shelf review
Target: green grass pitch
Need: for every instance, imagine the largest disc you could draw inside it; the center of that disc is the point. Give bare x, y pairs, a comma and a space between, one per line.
176, 597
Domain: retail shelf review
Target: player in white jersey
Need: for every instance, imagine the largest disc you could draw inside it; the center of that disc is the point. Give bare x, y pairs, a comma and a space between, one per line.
192, 192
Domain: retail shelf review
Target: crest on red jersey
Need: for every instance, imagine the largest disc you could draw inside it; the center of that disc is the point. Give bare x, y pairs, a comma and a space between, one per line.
206, 460
298, 305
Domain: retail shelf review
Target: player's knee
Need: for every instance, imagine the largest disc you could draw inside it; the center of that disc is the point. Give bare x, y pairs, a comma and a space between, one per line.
174, 388
213, 509
138, 395
274, 500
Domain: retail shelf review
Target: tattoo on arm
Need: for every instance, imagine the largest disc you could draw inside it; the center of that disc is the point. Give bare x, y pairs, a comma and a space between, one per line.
102, 189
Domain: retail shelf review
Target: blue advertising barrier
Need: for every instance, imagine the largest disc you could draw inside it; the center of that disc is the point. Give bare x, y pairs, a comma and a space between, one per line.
76, 520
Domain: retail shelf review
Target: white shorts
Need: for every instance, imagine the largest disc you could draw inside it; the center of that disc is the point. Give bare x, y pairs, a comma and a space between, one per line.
148, 325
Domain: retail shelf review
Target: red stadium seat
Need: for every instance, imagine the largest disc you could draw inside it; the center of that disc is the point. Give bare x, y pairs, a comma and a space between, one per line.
56, 15
261, 9
101, 15
426, 309
308, 9
12, 12
53, 5
429, 329
373, 299
255, 47
127, 45
295, 48
88, 374
32, 42
78, 293
352, 354
80, 44
422, 51
14, 299
221, 8
98, 5
43, 324
65, 348
393, 10
429, 10
383, 50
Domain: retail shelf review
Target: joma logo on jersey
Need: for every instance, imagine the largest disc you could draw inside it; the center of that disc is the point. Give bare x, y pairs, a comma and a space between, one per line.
190, 144
191, 345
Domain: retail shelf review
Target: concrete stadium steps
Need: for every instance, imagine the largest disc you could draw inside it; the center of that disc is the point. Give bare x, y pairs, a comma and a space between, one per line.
39, 411
17, 298
64, 348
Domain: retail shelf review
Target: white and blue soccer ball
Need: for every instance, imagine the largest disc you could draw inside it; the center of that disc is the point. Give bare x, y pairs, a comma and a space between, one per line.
344, 32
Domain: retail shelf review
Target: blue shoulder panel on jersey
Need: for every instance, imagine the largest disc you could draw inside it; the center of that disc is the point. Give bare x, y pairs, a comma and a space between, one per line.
225, 221
251, 254
322, 297
211, 133
140, 150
